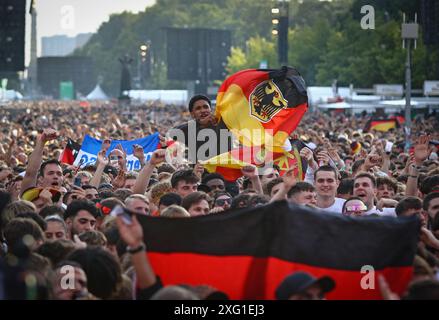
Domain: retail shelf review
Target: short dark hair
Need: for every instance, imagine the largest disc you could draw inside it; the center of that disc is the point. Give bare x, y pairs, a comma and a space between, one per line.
357, 164
272, 183
366, 175
170, 199
52, 210
408, 203
429, 184
77, 205
301, 187
326, 168
193, 198
197, 98
87, 186
387, 181
428, 198
212, 176
103, 272
258, 199
106, 193
56, 251
240, 198
346, 186
45, 164
183, 175
35, 217
17, 228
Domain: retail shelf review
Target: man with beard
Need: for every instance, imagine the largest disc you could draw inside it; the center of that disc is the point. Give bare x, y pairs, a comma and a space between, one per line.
80, 216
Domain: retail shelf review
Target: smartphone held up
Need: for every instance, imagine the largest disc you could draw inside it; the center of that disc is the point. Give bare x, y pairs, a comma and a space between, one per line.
119, 211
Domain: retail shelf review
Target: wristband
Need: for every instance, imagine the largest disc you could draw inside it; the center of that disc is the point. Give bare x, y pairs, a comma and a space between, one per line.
416, 177
137, 249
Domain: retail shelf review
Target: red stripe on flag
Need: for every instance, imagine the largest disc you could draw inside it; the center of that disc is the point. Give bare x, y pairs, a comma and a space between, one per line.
67, 156
245, 277
248, 80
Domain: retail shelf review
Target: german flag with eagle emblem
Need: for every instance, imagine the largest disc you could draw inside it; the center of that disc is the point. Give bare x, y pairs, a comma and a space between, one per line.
262, 107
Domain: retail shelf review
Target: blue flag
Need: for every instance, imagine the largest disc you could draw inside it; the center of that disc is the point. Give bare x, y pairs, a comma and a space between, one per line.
91, 146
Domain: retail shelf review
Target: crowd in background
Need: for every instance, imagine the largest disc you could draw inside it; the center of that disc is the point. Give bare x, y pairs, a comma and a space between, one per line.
57, 215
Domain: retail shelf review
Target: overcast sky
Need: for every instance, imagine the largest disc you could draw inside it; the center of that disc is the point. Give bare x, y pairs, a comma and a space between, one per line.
70, 17
78, 16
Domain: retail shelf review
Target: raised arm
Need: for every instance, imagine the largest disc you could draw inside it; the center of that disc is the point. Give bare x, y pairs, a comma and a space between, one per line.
132, 235
289, 181
412, 181
251, 173
142, 181
35, 159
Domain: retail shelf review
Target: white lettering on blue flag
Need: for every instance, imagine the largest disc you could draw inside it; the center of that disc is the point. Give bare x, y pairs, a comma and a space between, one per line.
90, 147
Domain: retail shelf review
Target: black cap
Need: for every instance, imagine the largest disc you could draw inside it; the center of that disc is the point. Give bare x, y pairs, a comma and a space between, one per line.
300, 281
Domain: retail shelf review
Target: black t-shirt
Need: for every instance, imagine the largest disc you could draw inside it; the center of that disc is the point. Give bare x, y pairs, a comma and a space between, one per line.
202, 143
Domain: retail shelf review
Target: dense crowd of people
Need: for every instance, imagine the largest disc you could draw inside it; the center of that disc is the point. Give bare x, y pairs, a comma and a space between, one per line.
56, 216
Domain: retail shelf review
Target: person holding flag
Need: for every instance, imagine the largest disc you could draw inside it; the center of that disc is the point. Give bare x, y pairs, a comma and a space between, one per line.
261, 108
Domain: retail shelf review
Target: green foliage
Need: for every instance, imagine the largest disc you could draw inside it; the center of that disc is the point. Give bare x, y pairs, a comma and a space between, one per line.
326, 41
258, 49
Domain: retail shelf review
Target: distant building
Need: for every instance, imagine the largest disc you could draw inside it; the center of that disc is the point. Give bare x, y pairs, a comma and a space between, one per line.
62, 45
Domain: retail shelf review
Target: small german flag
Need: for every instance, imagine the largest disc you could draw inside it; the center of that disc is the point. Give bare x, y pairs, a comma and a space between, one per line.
382, 125
262, 107
70, 152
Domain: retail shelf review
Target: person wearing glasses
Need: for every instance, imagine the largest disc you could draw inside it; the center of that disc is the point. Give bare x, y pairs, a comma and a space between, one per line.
222, 201
354, 207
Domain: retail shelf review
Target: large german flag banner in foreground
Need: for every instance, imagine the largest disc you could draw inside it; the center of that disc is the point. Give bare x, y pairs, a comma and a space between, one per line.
262, 107
247, 253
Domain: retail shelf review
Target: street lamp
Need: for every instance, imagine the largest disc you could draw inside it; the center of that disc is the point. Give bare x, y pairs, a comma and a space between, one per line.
280, 23
143, 56
409, 33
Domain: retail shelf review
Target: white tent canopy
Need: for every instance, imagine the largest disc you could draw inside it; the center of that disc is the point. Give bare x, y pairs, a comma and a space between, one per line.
164, 96
10, 95
97, 94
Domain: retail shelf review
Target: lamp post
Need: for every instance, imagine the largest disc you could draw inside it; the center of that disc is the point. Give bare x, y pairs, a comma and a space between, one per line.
280, 22
409, 32
143, 57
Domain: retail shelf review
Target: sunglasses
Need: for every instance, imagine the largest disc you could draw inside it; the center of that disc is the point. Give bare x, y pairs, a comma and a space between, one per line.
221, 202
356, 208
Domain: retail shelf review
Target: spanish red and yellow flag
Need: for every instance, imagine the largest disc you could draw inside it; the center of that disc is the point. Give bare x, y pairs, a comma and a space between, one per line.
262, 107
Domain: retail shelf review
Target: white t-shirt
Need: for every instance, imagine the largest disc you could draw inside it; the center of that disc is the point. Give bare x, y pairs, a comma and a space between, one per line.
336, 207
387, 212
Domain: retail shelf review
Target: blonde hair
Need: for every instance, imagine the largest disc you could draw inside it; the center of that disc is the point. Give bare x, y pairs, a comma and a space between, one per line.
158, 190
174, 211
138, 197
